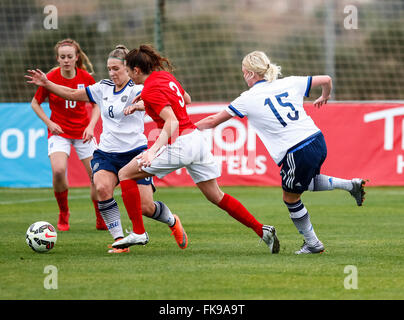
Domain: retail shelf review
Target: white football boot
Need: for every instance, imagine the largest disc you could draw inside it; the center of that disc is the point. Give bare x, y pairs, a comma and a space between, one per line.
131, 239
306, 249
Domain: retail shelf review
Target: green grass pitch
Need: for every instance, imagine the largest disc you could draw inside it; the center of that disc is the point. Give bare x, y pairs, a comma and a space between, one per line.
223, 261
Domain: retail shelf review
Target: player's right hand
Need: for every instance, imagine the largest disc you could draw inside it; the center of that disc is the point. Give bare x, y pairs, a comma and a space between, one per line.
55, 129
320, 101
145, 158
137, 98
139, 106
36, 77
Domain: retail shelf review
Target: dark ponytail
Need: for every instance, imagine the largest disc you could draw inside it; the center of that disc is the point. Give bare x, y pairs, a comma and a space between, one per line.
147, 59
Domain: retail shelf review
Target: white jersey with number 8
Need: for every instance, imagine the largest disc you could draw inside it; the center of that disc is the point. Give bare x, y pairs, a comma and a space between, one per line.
120, 133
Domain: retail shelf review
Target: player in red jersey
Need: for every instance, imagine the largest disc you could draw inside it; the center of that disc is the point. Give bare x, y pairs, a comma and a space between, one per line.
69, 124
121, 140
178, 145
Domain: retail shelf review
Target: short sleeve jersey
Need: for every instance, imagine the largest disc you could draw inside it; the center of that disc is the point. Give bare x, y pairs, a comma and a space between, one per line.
275, 110
71, 116
120, 133
161, 89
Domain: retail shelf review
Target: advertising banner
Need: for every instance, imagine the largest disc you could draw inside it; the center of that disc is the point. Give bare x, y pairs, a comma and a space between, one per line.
24, 158
363, 140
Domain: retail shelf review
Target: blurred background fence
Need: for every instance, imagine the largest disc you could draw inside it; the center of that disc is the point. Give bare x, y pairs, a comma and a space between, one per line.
360, 43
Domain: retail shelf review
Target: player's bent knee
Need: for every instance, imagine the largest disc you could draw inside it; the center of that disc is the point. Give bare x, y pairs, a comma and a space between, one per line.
103, 192
59, 178
122, 175
291, 197
59, 173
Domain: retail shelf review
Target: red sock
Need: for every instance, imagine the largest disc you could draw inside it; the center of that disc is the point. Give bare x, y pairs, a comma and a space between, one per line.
100, 220
97, 210
61, 198
234, 208
131, 200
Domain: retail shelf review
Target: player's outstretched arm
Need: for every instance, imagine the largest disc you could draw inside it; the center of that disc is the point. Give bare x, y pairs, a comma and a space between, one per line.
326, 84
213, 120
39, 78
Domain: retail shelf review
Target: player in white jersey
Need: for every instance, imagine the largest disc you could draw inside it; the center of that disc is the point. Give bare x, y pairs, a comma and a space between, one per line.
121, 140
119, 133
275, 109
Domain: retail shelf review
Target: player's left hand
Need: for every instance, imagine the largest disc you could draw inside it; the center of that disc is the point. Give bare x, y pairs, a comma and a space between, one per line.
320, 101
88, 135
137, 98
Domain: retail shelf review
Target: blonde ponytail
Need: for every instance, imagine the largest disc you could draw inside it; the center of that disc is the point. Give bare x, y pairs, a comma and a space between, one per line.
259, 63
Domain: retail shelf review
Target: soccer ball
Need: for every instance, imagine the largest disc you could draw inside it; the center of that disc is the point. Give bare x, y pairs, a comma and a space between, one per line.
41, 236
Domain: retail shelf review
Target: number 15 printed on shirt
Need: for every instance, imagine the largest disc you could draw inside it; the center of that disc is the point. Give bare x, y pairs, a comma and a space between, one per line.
294, 115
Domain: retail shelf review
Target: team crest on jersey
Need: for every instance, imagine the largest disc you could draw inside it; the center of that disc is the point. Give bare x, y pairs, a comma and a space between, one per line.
124, 98
80, 86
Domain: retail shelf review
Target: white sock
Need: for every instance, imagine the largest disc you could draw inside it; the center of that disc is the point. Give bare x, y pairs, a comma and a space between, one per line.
110, 213
322, 182
163, 214
301, 219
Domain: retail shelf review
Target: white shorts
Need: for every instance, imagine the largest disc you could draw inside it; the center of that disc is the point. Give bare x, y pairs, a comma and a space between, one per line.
60, 144
190, 151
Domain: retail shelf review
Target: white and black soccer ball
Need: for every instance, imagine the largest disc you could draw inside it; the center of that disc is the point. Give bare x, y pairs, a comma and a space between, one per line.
41, 236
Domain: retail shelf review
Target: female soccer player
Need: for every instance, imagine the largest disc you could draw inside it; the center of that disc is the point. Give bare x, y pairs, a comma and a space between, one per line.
121, 140
275, 109
178, 145
69, 124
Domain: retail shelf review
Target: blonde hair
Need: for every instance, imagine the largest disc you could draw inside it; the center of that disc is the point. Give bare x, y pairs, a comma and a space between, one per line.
258, 62
83, 62
119, 53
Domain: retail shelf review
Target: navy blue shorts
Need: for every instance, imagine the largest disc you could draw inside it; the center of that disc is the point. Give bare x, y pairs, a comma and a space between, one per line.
302, 163
114, 161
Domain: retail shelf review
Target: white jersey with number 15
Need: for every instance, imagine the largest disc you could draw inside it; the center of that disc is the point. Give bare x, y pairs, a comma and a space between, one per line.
275, 110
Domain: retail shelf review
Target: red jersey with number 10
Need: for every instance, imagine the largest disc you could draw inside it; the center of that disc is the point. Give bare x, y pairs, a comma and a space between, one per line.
71, 116
161, 89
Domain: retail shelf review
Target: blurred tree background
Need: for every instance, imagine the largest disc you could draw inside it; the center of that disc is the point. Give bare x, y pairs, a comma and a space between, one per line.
206, 41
